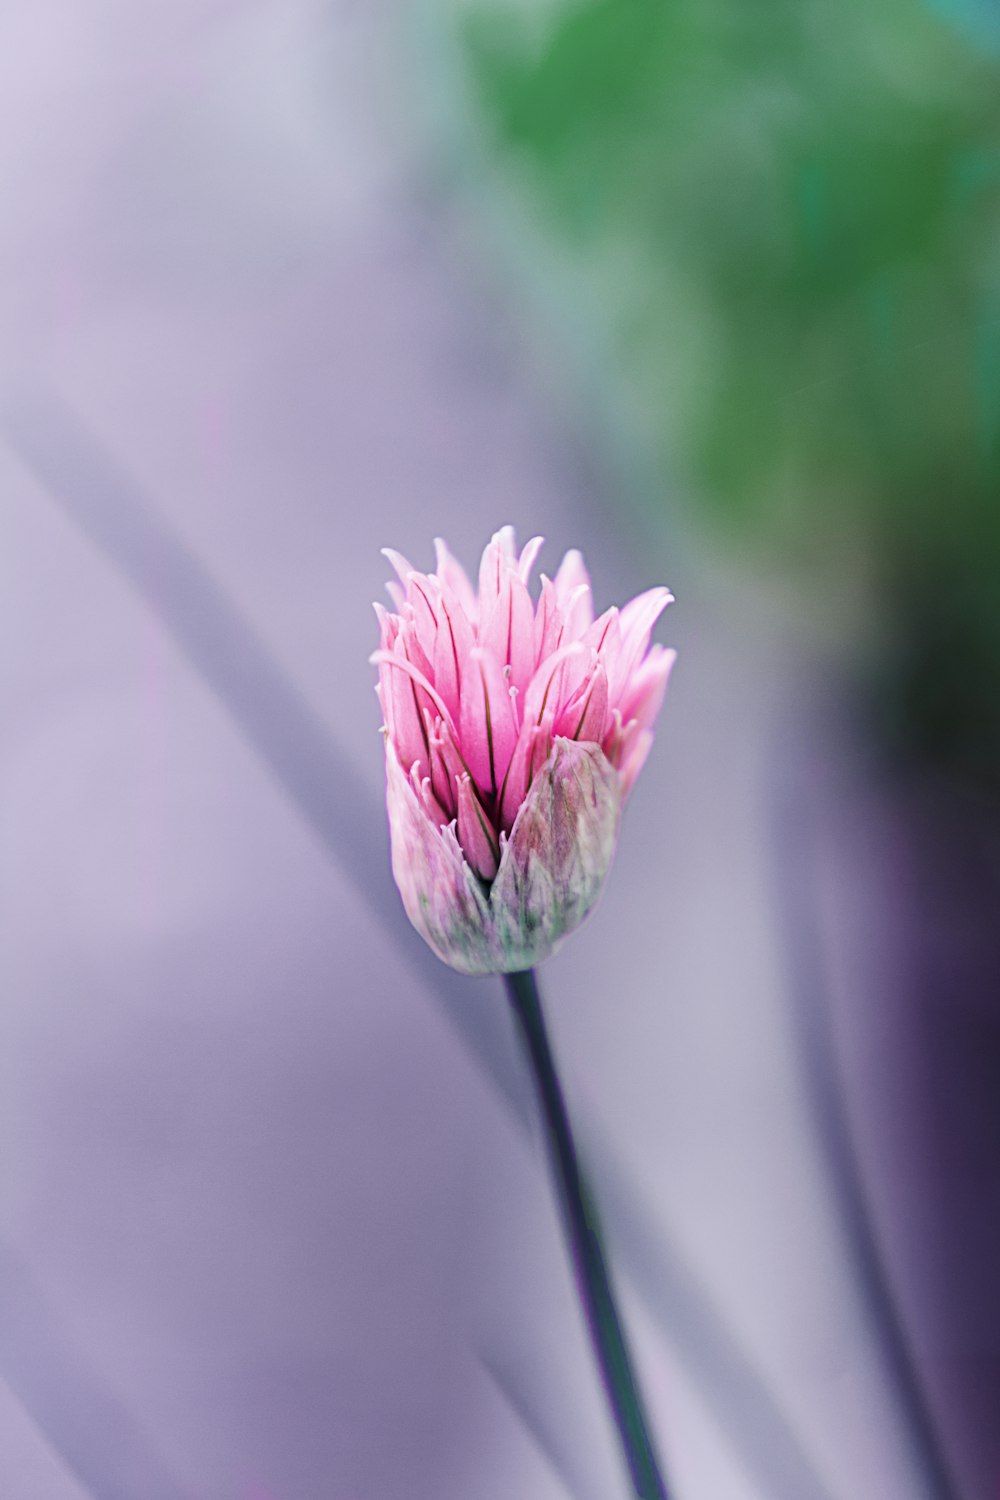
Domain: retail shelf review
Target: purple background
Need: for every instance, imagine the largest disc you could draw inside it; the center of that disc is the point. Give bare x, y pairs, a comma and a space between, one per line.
267, 1229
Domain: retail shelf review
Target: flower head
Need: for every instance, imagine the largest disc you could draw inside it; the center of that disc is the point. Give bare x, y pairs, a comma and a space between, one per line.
514, 730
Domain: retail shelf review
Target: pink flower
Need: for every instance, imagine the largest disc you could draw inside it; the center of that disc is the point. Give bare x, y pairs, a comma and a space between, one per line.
514, 730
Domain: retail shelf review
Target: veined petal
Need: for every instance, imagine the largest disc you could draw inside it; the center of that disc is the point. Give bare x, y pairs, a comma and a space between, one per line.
409, 644
488, 726
451, 649
549, 622
531, 751
403, 664
420, 595
521, 634
512, 736
495, 621
443, 781
586, 718
507, 633
402, 711
475, 833
545, 690
497, 561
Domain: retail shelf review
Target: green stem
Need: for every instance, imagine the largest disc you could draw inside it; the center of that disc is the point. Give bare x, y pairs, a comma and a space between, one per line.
583, 1234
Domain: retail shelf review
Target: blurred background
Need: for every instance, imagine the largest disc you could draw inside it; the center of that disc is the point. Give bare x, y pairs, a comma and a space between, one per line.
711, 292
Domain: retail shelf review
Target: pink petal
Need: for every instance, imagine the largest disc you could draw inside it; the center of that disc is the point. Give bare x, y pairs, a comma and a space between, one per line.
637, 621
454, 577
528, 558
388, 626
508, 631
402, 713
532, 750
443, 781
455, 640
572, 574
545, 690
578, 613
634, 755
399, 593
475, 833
443, 899
496, 563
410, 644
643, 698
521, 635
548, 622
395, 659
587, 717
642, 612
488, 726
420, 595
601, 640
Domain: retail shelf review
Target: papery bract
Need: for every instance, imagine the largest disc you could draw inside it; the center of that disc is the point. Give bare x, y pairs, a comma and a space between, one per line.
514, 732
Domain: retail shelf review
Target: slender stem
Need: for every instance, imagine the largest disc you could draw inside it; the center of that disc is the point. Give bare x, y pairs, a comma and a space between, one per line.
583, 1235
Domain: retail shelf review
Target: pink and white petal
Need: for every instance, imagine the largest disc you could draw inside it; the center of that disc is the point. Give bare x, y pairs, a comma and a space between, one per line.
521, 635
573, 581
637, 620
410, 643
635, 749
425, 796
495, 620
420, 595
441, 895
600, 642
401, 567
549, 622
528, 558
452, 576
613, 736
404, 718
604, 635
398, 660
644, 610
577, 612
643, 697
388, 626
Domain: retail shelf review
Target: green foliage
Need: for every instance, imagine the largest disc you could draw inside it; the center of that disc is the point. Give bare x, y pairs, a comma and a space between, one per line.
790, 213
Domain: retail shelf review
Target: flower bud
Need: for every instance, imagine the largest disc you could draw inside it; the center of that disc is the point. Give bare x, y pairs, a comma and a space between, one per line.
551, 867
513, 735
